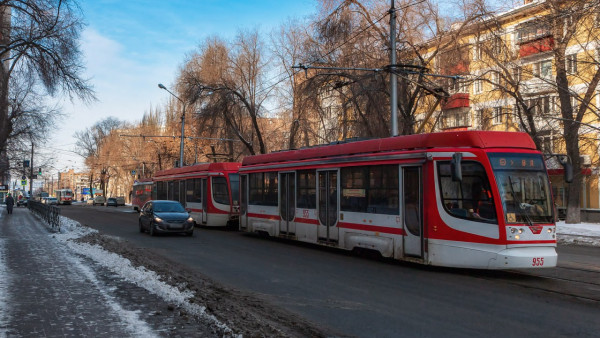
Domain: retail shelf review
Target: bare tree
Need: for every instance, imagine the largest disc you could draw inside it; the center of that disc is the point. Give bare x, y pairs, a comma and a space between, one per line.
38, 42
90, 144
229, 81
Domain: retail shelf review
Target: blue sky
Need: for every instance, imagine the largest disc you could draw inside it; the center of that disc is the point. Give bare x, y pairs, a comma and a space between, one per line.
132, 45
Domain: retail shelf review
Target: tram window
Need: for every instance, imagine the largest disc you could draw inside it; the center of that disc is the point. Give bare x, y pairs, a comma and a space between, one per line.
219, 187
307, 191
354, 186
471, 198
263, 189
175, 195
170, 190
370, 189
194, 191
161, 190
383, 190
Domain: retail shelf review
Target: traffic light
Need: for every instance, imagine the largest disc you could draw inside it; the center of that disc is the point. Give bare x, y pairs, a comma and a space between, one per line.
40, 171
25, 163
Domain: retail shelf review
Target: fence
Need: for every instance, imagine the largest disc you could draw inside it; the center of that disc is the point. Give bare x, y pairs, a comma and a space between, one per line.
48, 213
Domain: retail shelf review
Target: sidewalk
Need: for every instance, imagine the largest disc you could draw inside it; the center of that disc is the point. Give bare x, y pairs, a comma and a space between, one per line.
47, 290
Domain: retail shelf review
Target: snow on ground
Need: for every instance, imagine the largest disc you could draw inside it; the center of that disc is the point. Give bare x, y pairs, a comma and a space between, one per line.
140, 276
582, 233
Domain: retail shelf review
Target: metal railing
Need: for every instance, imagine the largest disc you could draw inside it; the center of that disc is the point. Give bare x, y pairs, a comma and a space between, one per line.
49, 213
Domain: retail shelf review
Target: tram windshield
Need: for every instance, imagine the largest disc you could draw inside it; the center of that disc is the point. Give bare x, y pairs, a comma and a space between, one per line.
523, 185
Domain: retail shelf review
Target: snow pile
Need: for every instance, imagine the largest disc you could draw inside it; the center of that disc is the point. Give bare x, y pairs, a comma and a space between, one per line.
133, 323
140, 276
582, 233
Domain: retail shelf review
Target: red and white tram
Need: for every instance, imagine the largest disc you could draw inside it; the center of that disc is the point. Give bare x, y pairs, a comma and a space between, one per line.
141, 193
209, 190
64, 196
469, 199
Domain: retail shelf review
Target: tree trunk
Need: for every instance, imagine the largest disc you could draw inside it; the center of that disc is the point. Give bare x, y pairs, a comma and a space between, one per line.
571, 135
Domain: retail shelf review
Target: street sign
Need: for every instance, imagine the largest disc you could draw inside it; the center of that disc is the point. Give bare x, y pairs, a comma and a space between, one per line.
133, 173
23, 182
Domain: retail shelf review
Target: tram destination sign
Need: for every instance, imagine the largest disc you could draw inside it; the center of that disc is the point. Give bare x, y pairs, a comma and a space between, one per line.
517, 161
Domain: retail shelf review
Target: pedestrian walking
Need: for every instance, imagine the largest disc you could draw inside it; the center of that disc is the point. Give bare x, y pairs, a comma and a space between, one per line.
9, 203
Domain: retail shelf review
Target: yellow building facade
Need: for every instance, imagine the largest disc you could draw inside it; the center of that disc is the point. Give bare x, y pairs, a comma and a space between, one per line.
506, 71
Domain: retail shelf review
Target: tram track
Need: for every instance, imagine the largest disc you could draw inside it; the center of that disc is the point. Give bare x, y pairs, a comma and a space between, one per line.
580, 282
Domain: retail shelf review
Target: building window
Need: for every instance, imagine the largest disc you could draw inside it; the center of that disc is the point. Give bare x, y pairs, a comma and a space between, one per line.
544, 105
495, 78
477, 86
497, 45
572, 63
516, 73
497, 119
574, 105
533, 31
477, 51
543, 69
479, 115
547, 143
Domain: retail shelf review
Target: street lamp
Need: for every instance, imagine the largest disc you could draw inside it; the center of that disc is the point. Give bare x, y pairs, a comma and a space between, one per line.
161, 86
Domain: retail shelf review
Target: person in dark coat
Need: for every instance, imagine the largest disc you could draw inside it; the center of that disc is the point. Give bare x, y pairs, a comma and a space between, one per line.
10, 202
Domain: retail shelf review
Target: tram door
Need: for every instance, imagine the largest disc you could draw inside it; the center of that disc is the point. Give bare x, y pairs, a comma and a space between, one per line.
412, 210
327, 181
204, 200
287, 204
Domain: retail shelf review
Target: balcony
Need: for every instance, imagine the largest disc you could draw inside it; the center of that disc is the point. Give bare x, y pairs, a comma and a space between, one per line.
536, 46
458, 100
456, 119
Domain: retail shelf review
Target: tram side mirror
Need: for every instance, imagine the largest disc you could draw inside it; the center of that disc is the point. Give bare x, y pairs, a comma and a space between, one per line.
568, 167
456, 167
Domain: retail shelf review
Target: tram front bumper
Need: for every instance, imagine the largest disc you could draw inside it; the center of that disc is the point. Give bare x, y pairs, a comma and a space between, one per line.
525, 257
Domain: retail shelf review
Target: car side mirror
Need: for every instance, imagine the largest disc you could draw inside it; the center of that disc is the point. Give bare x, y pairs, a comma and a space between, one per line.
188, 210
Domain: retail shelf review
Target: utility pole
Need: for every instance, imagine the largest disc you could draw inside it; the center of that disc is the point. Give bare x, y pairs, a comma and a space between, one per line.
393, 79
31, 173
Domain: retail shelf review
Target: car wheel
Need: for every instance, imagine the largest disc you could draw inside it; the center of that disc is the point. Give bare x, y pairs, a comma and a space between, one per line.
152, 233
141, 226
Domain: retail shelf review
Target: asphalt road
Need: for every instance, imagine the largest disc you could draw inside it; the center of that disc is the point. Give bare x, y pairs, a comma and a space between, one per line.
366, 297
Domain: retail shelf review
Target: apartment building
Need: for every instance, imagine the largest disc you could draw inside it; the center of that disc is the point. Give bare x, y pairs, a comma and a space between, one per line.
505, 69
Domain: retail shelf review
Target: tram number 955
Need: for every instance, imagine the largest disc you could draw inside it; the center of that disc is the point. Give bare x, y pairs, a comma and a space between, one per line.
537, 261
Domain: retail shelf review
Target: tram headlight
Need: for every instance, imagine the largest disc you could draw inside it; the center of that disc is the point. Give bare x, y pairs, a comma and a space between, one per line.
517, 237
513, 230
521, 230
549, 230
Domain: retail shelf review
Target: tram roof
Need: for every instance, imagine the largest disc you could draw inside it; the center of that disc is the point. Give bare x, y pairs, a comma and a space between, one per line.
219, 166
457, 139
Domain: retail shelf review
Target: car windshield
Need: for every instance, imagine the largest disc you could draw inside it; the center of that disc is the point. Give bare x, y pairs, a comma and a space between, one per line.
168, 207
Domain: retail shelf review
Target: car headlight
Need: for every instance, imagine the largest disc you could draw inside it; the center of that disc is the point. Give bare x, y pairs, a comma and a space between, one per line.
190, 220
157, 219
